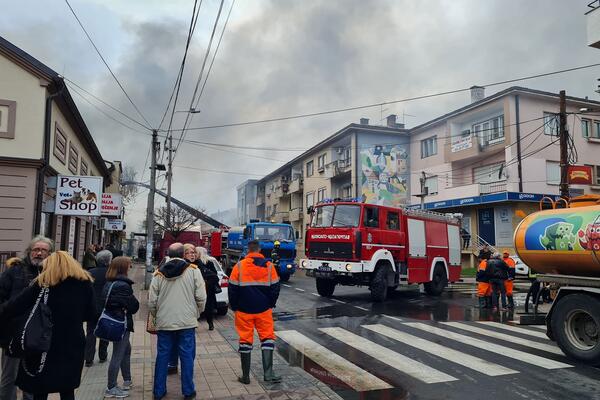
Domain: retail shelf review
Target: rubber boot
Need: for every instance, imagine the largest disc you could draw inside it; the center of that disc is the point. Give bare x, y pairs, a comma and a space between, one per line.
245, 358
267, 362
482, 302
511, 302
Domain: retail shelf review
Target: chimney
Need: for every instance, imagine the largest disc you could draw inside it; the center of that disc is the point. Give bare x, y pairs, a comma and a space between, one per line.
364, 121
391, 121
477, 93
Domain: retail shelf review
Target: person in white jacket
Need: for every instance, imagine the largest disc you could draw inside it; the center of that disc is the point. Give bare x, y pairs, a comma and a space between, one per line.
177, 298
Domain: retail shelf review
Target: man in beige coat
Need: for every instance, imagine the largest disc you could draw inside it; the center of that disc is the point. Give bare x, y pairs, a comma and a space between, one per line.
177, 297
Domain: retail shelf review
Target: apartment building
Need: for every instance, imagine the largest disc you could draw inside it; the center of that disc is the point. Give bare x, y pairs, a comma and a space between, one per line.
42, 134
496, 158
246, 202
360, 160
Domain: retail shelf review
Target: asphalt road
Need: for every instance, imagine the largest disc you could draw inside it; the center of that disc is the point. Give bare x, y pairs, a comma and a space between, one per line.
417, 347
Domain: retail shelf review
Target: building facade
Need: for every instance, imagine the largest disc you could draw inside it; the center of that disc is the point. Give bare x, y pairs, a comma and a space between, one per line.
42, 135
246, 202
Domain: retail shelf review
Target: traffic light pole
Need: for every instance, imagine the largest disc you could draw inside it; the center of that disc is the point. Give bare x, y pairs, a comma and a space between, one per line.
150, 213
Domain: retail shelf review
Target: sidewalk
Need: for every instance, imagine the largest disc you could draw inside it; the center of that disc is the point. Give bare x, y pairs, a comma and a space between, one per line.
216, 370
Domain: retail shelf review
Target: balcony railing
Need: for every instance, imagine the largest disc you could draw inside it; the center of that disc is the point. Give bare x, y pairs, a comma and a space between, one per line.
339, 167
492, 187
260, 199
281, 216
295, 185
296, 214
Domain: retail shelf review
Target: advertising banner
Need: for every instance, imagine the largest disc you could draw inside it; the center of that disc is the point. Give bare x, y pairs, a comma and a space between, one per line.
115, 225
111, 204
580, 174
78, 195
461, 143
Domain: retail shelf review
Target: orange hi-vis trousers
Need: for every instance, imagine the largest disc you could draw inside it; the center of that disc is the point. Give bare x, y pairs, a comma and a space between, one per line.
263, 322
508, 285
484, 289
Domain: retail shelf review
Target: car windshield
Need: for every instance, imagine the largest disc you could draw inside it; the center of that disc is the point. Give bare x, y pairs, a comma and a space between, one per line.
346, 215
323, 216
272, 233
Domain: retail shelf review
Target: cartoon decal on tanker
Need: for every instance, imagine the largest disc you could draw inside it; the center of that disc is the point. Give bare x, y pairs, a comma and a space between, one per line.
566, 232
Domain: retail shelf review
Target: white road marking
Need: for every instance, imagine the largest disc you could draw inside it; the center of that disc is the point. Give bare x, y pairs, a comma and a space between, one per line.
300, 290
402, 363
394, 318
361, 308
537, 334
455, 356
342, 369
338, 301
540, 327
286, 285
509, 338
316, 294
487, 346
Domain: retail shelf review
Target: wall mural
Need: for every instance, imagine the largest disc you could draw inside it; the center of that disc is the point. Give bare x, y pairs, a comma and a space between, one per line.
384, 174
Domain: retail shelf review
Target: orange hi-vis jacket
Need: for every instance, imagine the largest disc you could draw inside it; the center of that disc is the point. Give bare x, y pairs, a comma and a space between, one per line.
253, 285
508, 284
483, 286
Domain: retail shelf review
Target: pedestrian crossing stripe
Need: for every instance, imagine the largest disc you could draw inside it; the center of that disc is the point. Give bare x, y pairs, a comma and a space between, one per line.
540, 327
455, 356
349, 373
395, 360
512, 328
491, 347
503, 336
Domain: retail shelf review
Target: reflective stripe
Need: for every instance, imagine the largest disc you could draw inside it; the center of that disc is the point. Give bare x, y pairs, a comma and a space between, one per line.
268, 341
267, 346
254, 283
232, 282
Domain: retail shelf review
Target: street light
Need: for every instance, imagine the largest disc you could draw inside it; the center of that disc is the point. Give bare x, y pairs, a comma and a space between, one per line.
191, 111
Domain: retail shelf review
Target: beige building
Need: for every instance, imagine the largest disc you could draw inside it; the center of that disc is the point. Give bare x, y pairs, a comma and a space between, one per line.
42, 134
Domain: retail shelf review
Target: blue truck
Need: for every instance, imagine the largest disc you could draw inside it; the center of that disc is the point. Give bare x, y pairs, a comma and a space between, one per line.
235, 245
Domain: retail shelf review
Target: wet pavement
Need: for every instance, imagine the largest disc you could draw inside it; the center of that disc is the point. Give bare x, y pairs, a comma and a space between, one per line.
418, 347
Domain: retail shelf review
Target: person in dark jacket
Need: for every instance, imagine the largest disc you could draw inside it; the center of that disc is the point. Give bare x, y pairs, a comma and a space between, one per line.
120, 301
103, 259
211, 277
497, 272
253, 292
89, 258
485, 253
12, 282
71, 301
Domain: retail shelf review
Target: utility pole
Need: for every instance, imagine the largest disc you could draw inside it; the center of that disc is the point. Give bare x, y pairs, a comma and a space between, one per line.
563, 134
169, 178
150, 212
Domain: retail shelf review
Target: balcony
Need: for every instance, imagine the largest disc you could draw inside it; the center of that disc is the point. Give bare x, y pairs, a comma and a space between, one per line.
260, 199
492, 187
339, 168
466, 147
296, 186
296, 214
592, 19
279, 217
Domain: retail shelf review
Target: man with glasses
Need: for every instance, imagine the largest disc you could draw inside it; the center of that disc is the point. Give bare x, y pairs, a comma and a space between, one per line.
12, 282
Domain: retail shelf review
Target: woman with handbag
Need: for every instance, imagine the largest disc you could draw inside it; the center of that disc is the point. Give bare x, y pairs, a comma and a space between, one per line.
209, 273
119, 305
64, 290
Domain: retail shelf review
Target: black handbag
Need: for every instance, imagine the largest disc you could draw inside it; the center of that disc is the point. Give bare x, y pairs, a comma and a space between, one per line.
33, 340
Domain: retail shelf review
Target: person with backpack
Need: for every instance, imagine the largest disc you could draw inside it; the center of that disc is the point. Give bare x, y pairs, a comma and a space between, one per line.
69, 298
98, 273
120, 303
497, 273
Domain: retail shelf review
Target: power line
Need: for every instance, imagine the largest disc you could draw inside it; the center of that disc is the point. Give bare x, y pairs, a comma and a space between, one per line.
339, 110
106, 64
217, 171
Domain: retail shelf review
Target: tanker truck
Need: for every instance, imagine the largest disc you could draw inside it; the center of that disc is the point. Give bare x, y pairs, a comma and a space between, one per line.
563, 246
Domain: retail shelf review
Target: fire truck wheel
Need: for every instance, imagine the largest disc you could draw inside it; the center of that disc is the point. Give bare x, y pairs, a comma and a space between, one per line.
379, 284
438, 283
575, 324
325, 287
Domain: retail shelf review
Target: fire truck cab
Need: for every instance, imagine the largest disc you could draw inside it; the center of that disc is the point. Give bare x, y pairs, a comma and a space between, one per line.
352, 243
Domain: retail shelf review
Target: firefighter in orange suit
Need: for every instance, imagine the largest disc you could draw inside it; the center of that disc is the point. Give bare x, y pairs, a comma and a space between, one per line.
508, 284
253, 292
484, 289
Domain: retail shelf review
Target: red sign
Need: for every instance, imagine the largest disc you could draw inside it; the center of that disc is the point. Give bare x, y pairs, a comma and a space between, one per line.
580, 174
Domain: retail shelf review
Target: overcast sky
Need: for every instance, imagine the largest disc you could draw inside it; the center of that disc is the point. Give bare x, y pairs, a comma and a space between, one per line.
286, 57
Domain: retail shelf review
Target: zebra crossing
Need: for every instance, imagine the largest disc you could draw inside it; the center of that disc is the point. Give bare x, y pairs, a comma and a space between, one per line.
479, 342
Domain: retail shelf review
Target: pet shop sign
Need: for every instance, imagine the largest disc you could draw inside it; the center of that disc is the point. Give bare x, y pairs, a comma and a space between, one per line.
78, 195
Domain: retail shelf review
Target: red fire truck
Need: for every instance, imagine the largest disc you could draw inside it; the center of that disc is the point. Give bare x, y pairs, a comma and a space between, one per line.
351, 243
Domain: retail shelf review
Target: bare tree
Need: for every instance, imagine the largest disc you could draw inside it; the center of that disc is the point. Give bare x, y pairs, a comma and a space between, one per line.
179, 221
129, 192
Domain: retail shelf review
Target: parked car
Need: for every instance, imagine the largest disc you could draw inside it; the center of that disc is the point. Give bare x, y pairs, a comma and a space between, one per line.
223, 297
521, 269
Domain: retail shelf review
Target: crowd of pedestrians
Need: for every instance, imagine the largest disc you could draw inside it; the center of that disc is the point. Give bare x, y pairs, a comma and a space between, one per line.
46, 297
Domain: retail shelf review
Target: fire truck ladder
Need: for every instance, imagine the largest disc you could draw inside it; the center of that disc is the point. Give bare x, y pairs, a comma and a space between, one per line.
454, 218
196, 213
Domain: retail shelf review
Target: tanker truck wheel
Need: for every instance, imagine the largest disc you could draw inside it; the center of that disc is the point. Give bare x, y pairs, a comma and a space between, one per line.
576, 327
438, 282
325, 287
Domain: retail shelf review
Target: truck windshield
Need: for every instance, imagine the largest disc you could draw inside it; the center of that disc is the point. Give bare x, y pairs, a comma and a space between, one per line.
342, 215
272, 233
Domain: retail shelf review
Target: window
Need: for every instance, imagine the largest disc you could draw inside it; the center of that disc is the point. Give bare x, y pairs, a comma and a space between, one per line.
310, 168
321, 194
431, 184
552, 172
371, 217
585, 128
550, 124
347, 154
269, 211
73, 158
321, 162
489, 173
346, 216
60, 144
596, 171
346, 192
429, 147
595, 133
271, 233
310, 199
491, 131
83, 170
323, 216
392, 221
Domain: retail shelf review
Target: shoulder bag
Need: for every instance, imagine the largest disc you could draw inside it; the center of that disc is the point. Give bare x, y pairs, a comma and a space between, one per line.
108, 327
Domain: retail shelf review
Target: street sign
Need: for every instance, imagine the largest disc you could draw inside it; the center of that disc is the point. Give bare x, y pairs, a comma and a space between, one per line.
580, 174
115, 225
111, 204
78, 195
